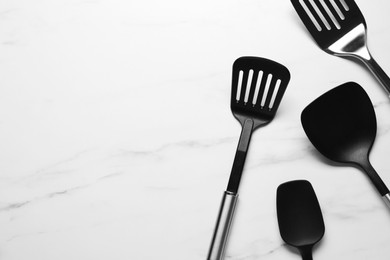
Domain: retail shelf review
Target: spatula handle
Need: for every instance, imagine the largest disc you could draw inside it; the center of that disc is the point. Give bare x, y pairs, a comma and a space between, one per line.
375, 69
386, 199
306, 252
376, 180
379, 74
239, 159
222, 227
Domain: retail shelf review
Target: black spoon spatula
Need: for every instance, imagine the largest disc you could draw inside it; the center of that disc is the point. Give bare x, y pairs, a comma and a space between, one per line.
341, 124
258, 86
299, 216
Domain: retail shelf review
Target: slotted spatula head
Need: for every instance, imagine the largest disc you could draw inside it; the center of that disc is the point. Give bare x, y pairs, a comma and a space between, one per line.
258, 85
341, 123
299, 214
329, 20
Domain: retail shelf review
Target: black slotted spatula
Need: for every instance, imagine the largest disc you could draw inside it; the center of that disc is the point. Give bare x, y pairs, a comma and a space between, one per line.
258, 85
299, 216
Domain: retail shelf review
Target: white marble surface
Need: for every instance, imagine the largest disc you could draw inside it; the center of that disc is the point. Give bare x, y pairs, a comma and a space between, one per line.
116, 136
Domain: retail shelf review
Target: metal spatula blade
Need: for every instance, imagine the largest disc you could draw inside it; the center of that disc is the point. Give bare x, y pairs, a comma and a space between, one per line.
300, 220
341, 124
328, 21
258, 85
339, 28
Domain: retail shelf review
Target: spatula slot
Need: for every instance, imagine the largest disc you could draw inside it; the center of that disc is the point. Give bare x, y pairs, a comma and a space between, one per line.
346, 7
266, 89
320, 14
274, 94
338, 10
257, 88
325, 14
244, 85
248, 86
239, 84
309, 13
330, 14
271, 92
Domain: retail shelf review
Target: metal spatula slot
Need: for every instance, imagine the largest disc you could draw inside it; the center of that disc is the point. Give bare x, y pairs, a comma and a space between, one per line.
339, 28
327, 20
328, 15
258, 86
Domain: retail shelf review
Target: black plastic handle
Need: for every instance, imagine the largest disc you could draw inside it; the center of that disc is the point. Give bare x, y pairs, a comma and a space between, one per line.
239, 159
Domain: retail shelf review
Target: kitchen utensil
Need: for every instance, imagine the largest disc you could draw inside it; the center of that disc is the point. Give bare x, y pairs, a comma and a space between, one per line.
258, 85
299, 216
339, 28
341, 124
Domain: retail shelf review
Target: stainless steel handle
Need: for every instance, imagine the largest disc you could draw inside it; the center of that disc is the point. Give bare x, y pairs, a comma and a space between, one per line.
386, 198
359, 50
221, 231
379, 74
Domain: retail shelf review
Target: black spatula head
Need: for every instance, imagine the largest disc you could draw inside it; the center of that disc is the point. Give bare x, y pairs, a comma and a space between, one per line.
299, 216
258, 85
341, 123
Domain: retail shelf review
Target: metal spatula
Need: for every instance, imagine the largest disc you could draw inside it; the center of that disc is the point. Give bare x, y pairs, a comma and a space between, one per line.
258, 86
299, 216
341, 124
339, 29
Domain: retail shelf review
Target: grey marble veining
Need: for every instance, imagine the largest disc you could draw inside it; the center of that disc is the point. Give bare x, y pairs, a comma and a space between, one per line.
117, 139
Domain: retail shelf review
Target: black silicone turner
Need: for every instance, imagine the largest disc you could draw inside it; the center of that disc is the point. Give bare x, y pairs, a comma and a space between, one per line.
341, 124
258, 86
299, 216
